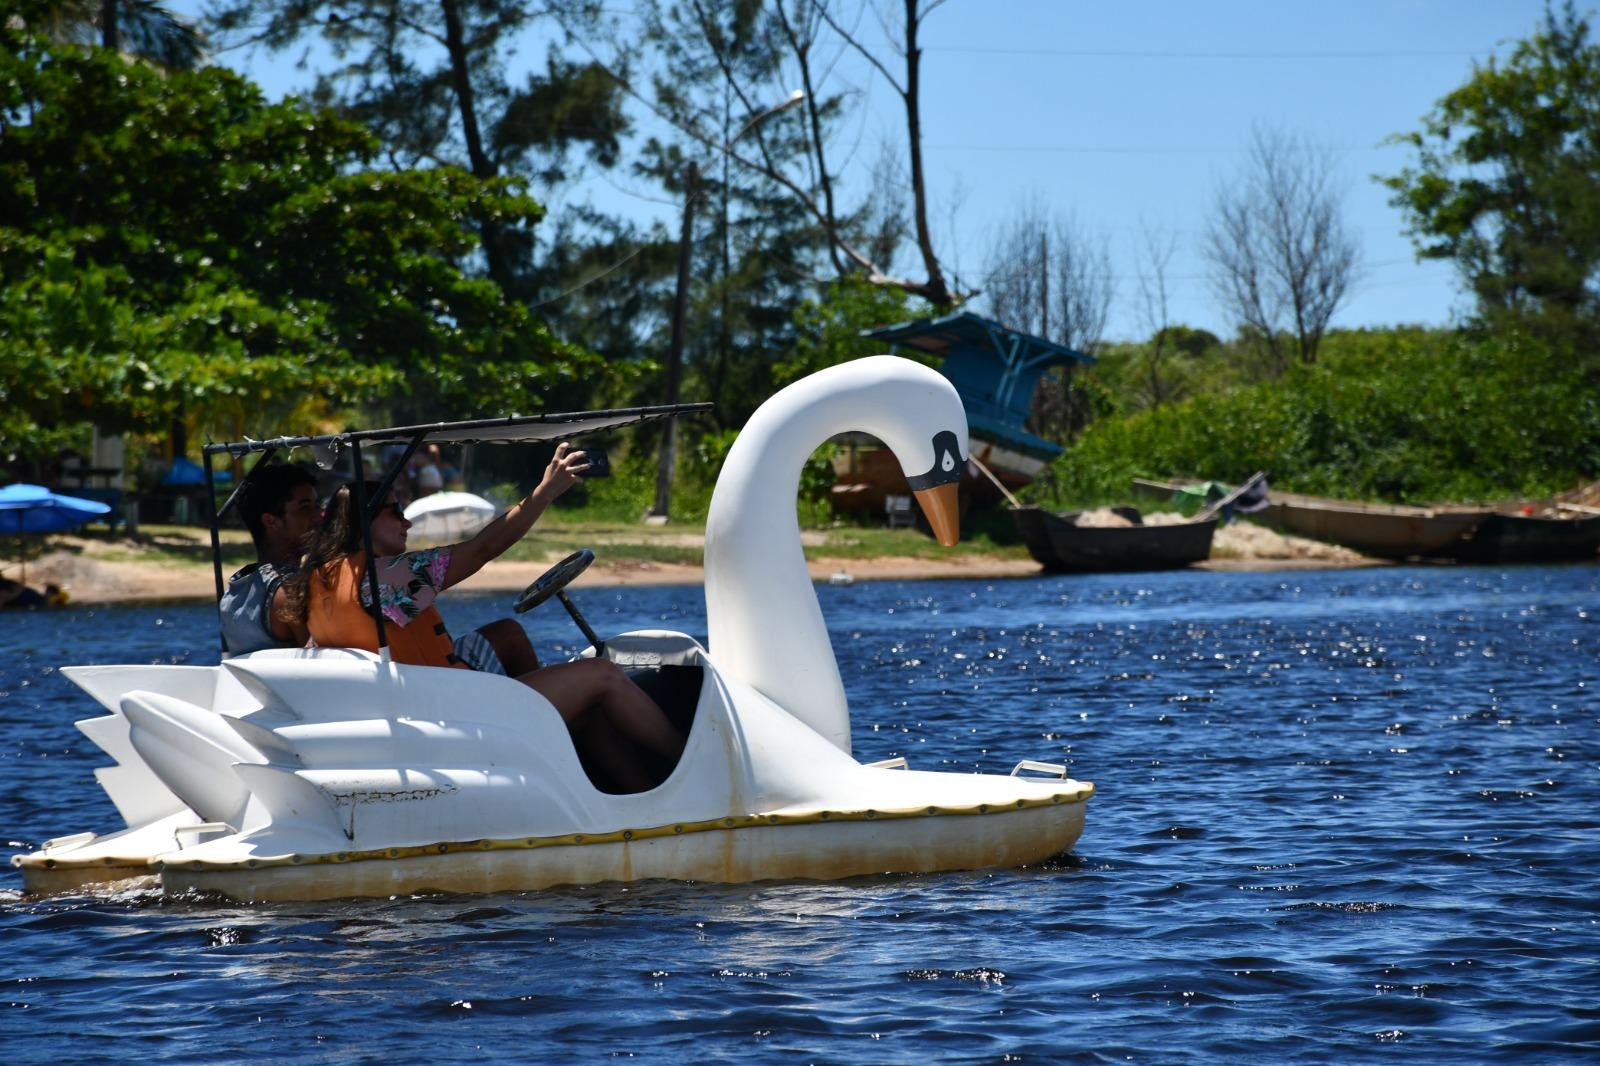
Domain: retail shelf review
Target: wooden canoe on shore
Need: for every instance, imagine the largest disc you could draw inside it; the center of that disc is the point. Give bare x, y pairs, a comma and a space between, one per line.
1519, 538
1061, 545
1383, 530
1468, 533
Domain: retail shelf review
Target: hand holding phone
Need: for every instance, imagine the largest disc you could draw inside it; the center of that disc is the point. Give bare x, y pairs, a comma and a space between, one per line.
599, 463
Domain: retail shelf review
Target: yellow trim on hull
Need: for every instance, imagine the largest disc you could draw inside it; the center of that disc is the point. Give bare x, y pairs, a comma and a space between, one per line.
753, 851
51, 877
42, 874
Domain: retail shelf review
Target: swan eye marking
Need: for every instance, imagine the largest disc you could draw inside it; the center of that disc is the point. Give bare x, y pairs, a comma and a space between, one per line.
947, 463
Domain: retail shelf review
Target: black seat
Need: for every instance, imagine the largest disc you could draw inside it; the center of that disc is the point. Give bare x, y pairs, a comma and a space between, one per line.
676, 690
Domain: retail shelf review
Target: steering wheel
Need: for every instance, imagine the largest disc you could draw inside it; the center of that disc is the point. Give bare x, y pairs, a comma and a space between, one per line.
554, 580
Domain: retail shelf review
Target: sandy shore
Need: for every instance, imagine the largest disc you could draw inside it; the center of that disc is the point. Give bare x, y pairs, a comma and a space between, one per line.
83, 569
89, 580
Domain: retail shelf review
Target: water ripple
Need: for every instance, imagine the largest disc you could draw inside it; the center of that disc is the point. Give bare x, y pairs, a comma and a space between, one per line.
1340, 815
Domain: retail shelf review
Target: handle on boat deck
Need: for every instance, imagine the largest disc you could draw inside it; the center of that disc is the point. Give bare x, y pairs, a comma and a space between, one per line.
1054, 769
203, 827
896, 763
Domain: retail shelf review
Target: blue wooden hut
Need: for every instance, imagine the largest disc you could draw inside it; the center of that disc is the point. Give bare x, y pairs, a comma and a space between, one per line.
996, 370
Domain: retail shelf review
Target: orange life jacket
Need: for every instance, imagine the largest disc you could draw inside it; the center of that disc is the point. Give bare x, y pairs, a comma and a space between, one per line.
336, 619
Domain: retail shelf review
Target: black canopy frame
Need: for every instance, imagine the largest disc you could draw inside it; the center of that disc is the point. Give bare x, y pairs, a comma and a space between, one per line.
516, 429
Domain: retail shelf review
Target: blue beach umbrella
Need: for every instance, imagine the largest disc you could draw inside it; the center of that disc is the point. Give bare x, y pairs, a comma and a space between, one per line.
35, 509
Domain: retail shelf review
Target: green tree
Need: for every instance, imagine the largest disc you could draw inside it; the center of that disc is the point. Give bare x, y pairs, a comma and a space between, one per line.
1506, 182
429, 77
830, 327
755, 249
173, 246
142, 28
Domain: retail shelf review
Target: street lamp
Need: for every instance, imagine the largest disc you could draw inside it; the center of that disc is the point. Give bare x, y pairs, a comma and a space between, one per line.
761, 116
661, 508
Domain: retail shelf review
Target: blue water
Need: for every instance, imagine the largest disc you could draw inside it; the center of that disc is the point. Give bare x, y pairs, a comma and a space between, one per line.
1342, 816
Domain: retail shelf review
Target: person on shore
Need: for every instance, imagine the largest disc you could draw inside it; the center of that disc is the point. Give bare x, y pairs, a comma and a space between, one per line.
427, 476
278, 504
15, 595
609, 717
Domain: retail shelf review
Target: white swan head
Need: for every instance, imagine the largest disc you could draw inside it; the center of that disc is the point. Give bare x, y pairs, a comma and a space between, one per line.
762, 616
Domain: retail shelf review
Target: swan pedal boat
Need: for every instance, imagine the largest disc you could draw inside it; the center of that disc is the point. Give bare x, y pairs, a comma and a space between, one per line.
321, 773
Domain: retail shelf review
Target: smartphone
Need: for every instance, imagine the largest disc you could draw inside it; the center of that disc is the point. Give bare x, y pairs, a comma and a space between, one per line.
599, 462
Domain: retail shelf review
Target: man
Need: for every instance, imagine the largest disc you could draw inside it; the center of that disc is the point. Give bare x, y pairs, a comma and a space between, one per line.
279, 507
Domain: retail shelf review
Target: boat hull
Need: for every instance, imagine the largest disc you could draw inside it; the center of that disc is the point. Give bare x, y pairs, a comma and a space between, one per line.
1384, 531
1503, 538
820, 845
756, 848
1062, 546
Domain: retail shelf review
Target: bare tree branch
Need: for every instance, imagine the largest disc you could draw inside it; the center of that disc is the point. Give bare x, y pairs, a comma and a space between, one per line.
936, 292
800, 44
849, 38
1044, 275
1280, 255
826, 211
1156, 250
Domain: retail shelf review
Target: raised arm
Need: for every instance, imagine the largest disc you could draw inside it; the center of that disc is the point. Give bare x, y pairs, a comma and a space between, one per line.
468, 557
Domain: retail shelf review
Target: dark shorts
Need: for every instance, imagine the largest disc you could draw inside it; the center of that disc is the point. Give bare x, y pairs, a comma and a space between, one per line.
475, 650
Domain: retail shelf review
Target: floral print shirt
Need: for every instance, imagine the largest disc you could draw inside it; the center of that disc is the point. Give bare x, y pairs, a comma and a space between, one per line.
407, 584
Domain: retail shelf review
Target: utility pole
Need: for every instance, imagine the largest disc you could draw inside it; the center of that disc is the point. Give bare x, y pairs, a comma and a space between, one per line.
1044, 283
110, 36
661, 510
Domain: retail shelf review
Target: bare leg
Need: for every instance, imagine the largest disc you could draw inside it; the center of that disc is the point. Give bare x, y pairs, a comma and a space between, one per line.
510, 642
597, 687
611, 760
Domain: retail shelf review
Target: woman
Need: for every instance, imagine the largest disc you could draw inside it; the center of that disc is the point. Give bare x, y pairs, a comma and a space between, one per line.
331, 597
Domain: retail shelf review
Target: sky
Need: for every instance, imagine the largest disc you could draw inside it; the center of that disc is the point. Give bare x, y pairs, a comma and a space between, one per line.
1136, 114
1130, 117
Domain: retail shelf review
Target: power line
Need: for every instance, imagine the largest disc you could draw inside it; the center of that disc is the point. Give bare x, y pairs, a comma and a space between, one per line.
1125, 150
1095, 53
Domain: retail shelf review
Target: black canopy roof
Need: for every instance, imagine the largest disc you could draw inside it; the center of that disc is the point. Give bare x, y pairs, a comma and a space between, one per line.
515, 429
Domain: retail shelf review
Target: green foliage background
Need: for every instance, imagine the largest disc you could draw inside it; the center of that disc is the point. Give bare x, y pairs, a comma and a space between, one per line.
174, 247
1405, 415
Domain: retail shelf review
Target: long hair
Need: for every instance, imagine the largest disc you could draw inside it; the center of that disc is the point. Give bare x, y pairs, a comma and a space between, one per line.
338, 537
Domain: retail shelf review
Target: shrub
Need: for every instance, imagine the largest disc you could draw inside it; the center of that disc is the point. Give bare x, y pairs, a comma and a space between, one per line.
1405, 415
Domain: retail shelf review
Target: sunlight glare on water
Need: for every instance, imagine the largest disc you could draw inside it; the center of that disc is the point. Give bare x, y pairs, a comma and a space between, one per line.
1340, 815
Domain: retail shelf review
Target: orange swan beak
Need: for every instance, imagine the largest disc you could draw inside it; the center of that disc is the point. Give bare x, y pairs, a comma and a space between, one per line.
943, 509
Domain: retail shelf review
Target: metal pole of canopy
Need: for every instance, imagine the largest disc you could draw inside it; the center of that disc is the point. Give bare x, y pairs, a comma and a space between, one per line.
233, 497
216, 538
359, 488
393, 473
495, 429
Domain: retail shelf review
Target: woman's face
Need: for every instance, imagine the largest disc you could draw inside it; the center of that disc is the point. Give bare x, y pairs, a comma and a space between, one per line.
389, 530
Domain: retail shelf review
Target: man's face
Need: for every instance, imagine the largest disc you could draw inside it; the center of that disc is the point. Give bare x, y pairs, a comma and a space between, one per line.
300, 516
